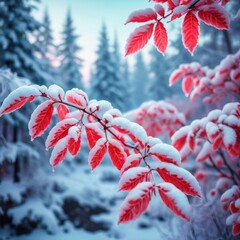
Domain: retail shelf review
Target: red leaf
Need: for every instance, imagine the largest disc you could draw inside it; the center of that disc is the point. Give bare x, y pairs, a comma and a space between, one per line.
180, 178
236, 229
62, 111
187, 85
60, 131
215, 15
94, 133
191, 141
40, 119
160, 37
165, 153
139, 38
159, 9
132, 177
142, 16
116, 153
17, 98
190, 32
175, 200
131, 161
75, 98
136, 202
175, 76
97, 153
179, 138
59, 152
74, 143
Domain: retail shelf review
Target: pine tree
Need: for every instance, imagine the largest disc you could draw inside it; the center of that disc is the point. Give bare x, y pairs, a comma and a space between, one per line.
158, 84
70, 67
46, 47
17, 27
107, 84
140, 81
126, 76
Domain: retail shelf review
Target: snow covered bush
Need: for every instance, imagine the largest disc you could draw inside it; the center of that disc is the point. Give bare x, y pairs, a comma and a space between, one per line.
130, 149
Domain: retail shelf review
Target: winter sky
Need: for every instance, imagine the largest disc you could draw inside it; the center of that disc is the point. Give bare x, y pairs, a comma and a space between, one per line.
88, 16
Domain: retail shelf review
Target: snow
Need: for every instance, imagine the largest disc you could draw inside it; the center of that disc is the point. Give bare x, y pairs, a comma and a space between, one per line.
11, 191
229, 135
55, 92
139, 14
74, 132
232, 218
229, 194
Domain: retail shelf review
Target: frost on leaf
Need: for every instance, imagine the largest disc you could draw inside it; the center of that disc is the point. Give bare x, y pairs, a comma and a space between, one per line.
175, 200
97, 153
142, 16
160, 37
94, 133
17, 98
215, 15
59, 131
165, 153
180, 178
116, 153
59, 152
190, 32
133, 160
139, 38
132, 177
136, 202
40, 119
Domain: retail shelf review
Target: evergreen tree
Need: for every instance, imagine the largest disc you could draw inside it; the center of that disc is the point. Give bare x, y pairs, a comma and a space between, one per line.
17, 26
158, 84
46, 48
140, 81
126, 76
70, 67
107, 84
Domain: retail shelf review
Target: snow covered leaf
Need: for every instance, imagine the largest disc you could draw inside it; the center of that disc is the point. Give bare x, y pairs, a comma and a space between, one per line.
180, 178
179, 138
160, 37
134, 131
17, 98
116, 153
75, 99
165, 153
74, 143
230, 194
60, 131
215, 15
190, 32
139, 38
55, 93
175, 200
187, 85
136, 202
59, 152
204, 153
132, 177
40, 119
97, 153
159, 9
94, 133
133, 160
142, 16
236, 229
62, 111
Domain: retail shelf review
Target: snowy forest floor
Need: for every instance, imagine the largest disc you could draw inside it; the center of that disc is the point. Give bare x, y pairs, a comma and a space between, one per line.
79, 204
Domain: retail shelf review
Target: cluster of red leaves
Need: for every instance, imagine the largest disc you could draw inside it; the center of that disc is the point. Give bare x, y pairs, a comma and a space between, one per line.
157, 118
129, 148
211, 12
214, 142
215, 83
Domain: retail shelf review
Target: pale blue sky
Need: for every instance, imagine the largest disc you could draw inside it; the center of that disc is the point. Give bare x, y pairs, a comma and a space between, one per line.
88, 16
